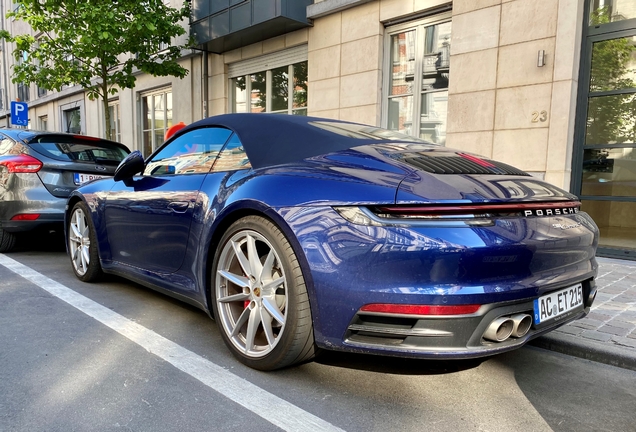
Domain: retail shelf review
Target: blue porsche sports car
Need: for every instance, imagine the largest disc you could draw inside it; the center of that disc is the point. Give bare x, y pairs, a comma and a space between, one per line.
301, 233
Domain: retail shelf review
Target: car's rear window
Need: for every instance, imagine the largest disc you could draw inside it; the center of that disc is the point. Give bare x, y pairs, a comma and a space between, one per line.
72, 149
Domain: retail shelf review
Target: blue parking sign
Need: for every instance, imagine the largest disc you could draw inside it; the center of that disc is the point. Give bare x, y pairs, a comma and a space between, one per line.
19, 113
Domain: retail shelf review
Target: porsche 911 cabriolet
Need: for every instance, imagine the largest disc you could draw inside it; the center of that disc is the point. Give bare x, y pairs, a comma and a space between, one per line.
298, 234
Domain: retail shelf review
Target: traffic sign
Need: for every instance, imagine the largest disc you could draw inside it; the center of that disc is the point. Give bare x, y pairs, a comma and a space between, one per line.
19, 113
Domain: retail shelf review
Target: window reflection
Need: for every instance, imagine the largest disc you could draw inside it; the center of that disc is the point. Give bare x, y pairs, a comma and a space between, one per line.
418, 106
271, 91
258, 98
609, 172
300, 88
193, 152
611, 119
233, 156
615, 222
403, 67
280, 88
608, 11
613, 64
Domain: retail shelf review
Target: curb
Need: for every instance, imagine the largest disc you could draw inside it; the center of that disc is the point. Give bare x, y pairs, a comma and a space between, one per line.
587, 349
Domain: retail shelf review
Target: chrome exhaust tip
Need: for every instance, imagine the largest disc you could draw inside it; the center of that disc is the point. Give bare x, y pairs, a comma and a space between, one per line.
499, 330
590, 298
522, 324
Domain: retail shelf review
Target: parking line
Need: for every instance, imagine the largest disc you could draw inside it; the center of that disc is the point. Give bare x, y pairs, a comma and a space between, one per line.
270, 407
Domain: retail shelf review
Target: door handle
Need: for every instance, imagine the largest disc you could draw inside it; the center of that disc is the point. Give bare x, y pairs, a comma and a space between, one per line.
179, 206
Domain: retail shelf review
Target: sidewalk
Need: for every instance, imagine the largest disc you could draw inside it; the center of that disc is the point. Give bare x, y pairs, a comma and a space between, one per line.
608, 333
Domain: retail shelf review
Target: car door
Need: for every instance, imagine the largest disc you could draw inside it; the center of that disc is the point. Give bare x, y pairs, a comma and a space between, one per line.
148, 219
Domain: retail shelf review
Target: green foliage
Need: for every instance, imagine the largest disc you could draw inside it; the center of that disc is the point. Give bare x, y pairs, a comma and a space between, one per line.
97, 44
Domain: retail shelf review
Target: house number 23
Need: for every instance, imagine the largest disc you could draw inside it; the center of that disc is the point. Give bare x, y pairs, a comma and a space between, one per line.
539, 116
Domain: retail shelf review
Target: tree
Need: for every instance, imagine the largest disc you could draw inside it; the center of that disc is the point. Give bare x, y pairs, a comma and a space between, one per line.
97, 44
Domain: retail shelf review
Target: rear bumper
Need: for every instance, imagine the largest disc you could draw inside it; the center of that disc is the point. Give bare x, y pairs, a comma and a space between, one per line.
55, 221
448, 337
51, 212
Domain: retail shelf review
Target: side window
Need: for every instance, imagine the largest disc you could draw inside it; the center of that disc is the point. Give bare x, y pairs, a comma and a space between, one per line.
192, 152
232, 157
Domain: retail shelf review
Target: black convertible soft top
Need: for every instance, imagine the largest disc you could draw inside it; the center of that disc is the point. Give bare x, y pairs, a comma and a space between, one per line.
274, 139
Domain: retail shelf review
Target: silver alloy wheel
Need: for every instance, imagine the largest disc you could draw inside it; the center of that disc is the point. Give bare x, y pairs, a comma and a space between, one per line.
79, 242
251, 293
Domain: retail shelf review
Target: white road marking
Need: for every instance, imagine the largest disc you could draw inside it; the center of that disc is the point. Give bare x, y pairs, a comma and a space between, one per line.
268, 406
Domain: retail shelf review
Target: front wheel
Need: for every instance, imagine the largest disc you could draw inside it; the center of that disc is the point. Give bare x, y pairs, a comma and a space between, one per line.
82, 244
259, 296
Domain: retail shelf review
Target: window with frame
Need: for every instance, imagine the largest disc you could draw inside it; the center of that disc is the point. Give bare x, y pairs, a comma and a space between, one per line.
232, 157
72, 120
156, 118
416, 71
43, 123
280, 90
115, 121
23, 89
191, 153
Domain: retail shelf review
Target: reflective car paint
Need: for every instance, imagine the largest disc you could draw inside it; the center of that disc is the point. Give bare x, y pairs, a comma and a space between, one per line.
507, 261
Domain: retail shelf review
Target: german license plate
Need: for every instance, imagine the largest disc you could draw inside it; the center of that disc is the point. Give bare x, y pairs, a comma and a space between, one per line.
80, 178
557, 303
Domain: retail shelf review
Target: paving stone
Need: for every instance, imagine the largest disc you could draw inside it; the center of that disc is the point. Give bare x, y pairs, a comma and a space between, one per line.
588, 322
622, 324
611, 309
599, 316
632, 335
594, 335
625, 298
624, 342
571, 330
613, 290
614, 330
584, 325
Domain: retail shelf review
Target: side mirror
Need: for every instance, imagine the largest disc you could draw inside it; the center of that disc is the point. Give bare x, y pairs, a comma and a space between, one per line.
131, 165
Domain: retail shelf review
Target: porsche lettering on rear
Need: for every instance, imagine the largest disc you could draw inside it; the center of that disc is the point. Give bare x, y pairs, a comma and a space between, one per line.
551, 212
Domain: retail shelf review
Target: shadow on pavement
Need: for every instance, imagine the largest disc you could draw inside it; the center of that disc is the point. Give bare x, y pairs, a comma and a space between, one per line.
395, 365
41, 241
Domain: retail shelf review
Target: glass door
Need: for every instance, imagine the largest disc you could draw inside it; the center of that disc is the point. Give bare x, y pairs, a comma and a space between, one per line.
605, 177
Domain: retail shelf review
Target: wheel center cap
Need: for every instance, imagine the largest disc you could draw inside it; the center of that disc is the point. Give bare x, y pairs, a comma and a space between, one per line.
257, 291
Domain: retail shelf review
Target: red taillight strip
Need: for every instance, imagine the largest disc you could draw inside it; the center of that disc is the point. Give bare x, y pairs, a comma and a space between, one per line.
21, 164
475, 208
403, 309
25, 217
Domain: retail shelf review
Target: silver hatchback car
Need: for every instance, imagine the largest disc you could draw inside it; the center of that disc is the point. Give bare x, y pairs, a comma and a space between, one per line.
38, 171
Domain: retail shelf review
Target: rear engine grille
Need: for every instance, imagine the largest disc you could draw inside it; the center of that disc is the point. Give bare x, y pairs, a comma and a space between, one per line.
461, 164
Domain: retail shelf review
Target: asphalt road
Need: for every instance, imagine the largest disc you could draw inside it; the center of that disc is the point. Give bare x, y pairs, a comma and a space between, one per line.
135, 360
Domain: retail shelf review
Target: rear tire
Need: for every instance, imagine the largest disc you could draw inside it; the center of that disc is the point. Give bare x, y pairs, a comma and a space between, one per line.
82, 244
7, 241
259, 297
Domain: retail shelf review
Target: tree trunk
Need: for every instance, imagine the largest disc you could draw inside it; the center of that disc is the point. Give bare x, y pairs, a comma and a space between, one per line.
104, 85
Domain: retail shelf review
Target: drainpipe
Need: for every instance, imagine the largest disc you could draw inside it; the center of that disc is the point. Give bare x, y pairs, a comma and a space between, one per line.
205, 84
5, 97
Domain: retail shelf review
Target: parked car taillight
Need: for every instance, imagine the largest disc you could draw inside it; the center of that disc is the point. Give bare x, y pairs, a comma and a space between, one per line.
21, 164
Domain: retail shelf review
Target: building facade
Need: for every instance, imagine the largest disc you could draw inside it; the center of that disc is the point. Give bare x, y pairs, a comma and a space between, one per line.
545, 86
